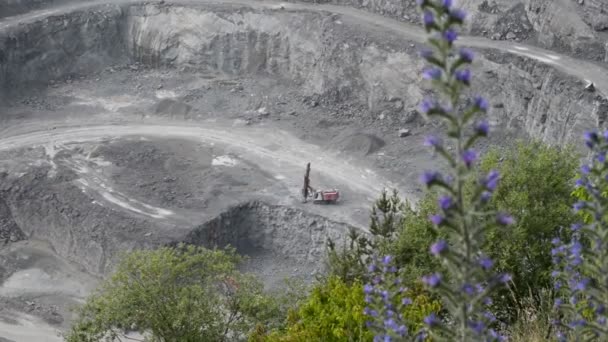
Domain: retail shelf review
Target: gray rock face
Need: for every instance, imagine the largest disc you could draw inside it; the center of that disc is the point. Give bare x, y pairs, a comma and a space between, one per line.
60, 46
9, 230
330, 61
565, 25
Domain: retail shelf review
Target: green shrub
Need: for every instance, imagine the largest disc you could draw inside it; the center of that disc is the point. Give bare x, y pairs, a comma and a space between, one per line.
184, 294
334, 312
535, 187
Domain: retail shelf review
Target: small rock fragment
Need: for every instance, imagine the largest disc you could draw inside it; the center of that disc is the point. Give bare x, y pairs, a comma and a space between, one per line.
404, 132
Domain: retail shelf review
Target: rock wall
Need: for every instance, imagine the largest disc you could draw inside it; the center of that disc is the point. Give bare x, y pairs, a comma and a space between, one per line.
330, 59
82, 42
572, 26
9, 230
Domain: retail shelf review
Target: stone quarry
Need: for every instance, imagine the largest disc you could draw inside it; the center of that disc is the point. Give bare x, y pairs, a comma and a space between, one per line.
136, 124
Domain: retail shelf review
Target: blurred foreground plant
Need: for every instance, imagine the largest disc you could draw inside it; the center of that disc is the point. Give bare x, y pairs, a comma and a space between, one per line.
582, 273
468, 281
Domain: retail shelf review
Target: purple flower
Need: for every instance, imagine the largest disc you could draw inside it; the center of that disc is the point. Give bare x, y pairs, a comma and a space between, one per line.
367, 289
450, 35
432, 141
464, 76
482, 128
406, 301
477, 327
429, 177
504, 219
371, 268
428, 18
556, 241
469, 157
431, 320
436, 219
481, 103
426, 53
485, 196
466, 55
495, 335
581, 285
432, 280
576, 226
578, 206
401, 330
445, 202
491, 181
390, 323
458, 15
439, 247
579, 182
468, 289
601, 157
486, 263
427, 105
591, 139
387, 259
585, 169
577, 323
576, 249
605, 135
432, 74
504, 278
447, 4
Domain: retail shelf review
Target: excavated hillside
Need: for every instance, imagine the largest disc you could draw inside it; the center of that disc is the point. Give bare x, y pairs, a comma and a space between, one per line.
130, 124
576, 27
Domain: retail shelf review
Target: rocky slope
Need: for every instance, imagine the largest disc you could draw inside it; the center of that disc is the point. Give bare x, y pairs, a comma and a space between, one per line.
578, 27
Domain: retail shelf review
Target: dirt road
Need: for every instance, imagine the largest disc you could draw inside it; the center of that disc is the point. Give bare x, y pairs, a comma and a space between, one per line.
581, 69
275, 151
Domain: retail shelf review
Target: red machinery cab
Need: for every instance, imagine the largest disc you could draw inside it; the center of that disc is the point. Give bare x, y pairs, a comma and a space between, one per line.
326, 196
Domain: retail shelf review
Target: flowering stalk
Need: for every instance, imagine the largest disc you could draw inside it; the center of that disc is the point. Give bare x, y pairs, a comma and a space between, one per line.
582, 275
385, 299
466, 287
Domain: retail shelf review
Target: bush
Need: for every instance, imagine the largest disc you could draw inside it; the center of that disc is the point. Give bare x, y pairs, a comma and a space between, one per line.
175, 294
535, 187
334, 312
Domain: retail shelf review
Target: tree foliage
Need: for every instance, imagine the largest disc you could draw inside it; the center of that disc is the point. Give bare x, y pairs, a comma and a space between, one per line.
535, 187
182, 294
334, 312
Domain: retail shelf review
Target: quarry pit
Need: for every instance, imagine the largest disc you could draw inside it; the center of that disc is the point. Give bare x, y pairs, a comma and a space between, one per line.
134, 124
